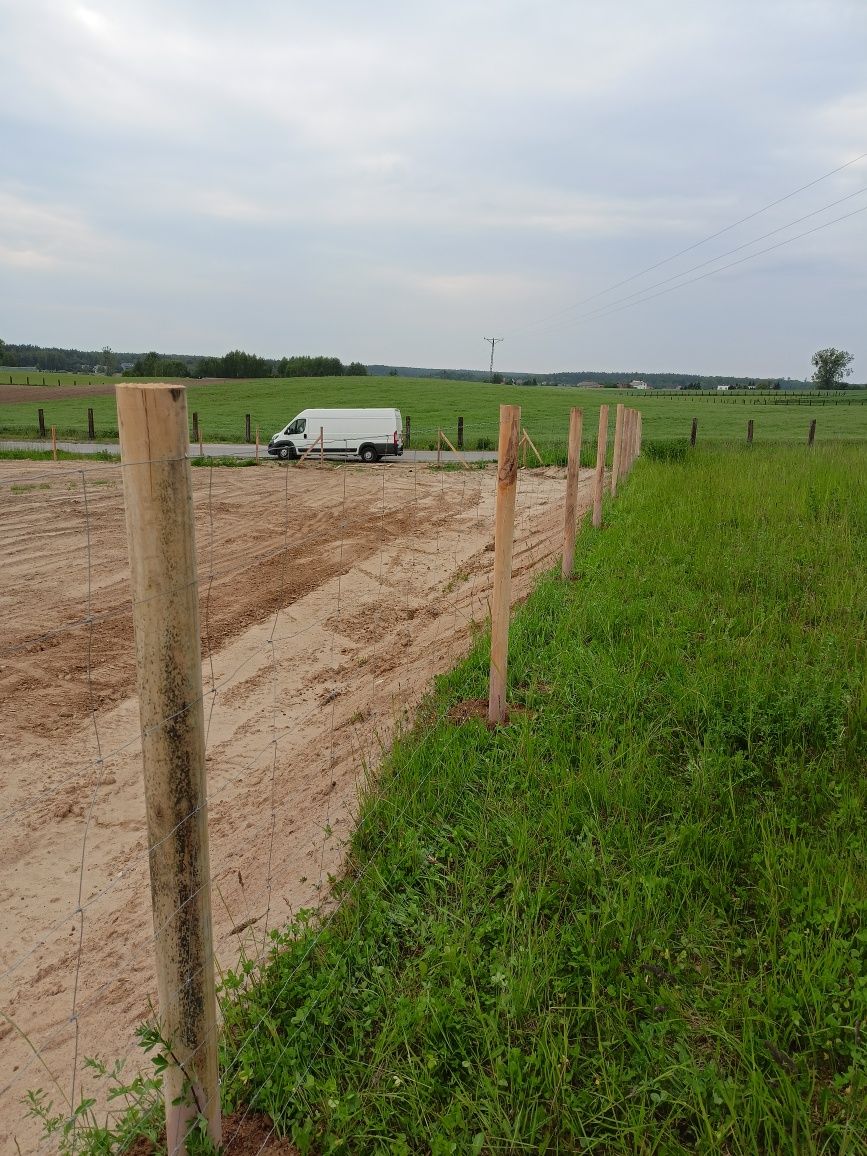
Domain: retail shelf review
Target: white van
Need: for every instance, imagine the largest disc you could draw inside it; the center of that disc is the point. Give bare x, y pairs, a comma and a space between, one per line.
370, 434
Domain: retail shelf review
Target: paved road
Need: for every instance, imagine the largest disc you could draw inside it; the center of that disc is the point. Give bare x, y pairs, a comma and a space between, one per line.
219, 450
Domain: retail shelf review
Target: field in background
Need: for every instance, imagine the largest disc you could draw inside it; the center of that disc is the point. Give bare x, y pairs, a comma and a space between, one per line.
434, 403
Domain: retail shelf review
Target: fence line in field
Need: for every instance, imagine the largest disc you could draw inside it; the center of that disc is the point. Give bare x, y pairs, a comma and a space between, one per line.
348, 595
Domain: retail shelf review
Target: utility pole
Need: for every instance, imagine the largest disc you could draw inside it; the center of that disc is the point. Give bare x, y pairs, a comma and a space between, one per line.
493, 341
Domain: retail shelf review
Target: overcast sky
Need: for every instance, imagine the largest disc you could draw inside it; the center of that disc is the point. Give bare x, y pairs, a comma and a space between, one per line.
390, 182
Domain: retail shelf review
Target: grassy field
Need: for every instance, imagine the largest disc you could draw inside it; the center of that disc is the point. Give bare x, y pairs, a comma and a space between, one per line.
429, 404
635, 919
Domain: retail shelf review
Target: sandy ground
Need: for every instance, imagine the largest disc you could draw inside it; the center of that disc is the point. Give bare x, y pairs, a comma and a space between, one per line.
329, 599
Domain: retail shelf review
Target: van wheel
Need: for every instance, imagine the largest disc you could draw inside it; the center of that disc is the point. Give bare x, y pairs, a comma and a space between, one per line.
285, 452
368, 454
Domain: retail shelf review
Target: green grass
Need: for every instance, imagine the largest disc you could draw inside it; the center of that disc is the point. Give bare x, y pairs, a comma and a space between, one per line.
430, 404
635, 919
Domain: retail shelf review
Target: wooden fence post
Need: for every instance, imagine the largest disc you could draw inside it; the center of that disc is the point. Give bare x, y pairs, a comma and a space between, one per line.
572, 468
811, 436
693, 431
504, 532
599, 476
54, 442
42, 423
91, 433
257, 443
439, 447
195, 436
247, 437
618, 447
750, 432
157, 485
407, 432
201, 444
460, 433
321, 446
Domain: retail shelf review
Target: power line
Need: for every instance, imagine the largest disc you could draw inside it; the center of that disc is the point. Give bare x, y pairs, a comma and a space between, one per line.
689, 248
605, 310
719, 257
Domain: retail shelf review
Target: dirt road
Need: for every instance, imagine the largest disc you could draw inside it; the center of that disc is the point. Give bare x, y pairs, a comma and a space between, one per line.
329, 598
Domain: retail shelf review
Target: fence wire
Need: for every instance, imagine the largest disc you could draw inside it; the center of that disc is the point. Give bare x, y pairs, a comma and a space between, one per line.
329, 595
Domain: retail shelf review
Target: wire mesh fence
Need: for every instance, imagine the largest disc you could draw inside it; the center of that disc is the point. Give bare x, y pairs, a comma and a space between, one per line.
328, 596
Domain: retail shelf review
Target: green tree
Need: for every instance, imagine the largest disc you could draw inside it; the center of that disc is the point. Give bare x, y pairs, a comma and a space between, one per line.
830, 366
109, 361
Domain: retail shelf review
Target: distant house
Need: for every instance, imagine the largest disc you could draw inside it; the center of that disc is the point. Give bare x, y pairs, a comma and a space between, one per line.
723, 388
639, 385
588, 385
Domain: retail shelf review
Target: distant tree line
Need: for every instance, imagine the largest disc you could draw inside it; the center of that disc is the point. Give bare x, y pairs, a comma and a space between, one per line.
236, 364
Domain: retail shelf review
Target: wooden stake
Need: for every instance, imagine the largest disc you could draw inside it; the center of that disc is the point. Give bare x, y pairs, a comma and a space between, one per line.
618, 462
247, 437
504, 532
91, 433
54, 442
157, 484
201, 444
693, 431
750, 432
572, 470
439, 448
195, 426
310, 449
458, 455
257, 443
321, 447
811, 436
42, 423
630, 439
528, 441
460, 433
599, 476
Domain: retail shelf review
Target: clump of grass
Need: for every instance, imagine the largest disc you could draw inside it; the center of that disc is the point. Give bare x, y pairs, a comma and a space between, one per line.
673, 450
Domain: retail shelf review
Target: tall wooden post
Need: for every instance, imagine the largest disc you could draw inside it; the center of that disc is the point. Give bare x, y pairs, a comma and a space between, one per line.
247, 437
750, 432
407, 432
693, 431
91, 433
439, 447
504, 532
257, 443
572, 469
195, 437
618, 447
460, 433
157, 485
54, 442
599, 476
633, 437
811, 436
321, 446
627, 446
42, 423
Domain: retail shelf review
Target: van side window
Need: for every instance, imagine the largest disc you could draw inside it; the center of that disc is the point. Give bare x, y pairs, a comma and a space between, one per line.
299, 425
